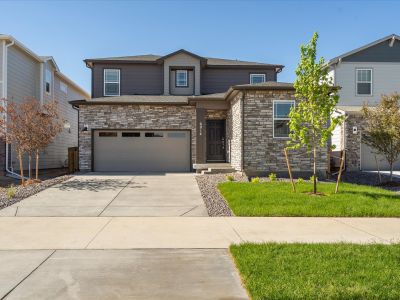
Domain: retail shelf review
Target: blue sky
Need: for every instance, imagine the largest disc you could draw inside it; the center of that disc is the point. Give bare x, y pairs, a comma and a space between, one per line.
265, 31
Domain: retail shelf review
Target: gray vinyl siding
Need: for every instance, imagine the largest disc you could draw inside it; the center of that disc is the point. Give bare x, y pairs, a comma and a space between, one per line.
23, 76
1, 68
189, 90
56, 154
381, 52
220, 80
385, 80
136, 79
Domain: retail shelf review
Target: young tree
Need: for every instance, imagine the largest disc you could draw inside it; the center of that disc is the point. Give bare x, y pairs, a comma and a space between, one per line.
311, 121
29, 127
382, 131
49, 125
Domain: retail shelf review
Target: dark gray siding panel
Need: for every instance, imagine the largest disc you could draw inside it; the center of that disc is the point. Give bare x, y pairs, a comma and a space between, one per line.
220, 80
142, 79
378, 53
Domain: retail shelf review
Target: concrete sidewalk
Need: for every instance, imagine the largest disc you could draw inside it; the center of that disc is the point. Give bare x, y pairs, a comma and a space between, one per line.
27, 233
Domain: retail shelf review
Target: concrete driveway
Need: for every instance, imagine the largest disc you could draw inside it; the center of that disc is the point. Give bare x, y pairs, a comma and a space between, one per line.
105, 194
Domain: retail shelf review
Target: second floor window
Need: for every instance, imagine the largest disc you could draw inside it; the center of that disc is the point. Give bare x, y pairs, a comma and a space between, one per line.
111, 82
257, 78
48, 82
181, 78
281, 118
364, 81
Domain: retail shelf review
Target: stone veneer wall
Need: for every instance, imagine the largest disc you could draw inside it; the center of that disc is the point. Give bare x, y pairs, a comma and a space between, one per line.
353, 141
216, 114
234, 133
263, 153
131, 117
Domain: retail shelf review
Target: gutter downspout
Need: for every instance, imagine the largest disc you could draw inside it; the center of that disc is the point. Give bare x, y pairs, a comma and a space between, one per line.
9, 172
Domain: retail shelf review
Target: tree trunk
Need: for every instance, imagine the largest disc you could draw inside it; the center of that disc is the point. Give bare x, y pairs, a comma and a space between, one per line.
21, 167
30, 166
37, 165
315, 170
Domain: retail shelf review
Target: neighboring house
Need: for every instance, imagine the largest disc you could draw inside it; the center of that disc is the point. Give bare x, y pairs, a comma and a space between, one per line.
25, 75
364, 75
179, 111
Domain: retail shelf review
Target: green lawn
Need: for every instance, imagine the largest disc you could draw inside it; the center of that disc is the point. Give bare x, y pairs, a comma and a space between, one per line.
277, 199
319, 271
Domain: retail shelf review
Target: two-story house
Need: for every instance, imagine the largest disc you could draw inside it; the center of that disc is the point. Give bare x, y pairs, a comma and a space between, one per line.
364, 75
25, 75
180, 111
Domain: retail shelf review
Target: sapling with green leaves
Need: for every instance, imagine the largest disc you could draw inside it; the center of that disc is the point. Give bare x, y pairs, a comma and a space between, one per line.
311, 120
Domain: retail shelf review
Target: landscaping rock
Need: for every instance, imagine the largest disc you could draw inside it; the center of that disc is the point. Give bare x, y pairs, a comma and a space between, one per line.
22, 192
215, 203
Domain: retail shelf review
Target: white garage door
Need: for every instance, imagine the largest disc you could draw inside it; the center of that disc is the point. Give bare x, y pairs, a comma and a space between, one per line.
368, 162
142, 151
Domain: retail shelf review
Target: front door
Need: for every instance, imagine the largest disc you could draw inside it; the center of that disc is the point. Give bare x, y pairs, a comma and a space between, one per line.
216, 140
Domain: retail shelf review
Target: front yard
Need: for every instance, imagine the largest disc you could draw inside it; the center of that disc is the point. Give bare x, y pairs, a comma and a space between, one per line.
277, 199
319, 271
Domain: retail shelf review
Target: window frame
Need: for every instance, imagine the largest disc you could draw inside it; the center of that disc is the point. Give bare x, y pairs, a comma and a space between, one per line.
63, 87
293, 102
187, 78
370, 82
105, 82
258, 74
50, 81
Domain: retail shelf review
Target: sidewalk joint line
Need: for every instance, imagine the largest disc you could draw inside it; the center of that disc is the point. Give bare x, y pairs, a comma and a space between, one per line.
130, 180
359, 229
97, 234
189, 211
30, 273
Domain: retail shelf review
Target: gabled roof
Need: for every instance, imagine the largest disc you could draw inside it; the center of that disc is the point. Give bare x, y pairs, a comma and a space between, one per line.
179, 52
43, 59
391, 37
206, 61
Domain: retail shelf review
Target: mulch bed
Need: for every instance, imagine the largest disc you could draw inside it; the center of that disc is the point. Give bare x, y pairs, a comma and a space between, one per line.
22, 192
215, 203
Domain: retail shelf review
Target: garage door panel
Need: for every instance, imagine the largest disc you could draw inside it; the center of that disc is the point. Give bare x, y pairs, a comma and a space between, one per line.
368, 162
152, 151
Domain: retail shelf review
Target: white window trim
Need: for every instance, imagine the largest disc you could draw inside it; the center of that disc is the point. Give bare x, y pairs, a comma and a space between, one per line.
47, 71
104, 82
273, 117
256, 74
186, 75
371, 82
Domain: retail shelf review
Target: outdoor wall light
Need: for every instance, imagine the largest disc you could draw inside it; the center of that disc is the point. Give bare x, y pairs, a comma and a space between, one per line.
85, 127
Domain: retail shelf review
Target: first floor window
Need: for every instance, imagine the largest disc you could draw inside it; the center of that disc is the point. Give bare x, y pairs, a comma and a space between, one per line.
111, 82
257, 78
281, 118
181, 78
48, 79
364, 81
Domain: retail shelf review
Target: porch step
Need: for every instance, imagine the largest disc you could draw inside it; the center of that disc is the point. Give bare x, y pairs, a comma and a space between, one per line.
214, 168
218, 171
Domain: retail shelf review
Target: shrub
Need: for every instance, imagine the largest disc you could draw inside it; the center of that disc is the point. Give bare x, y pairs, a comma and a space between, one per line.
312, 178
255, 180
11, 191
300, 180
230, 178
272, 177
